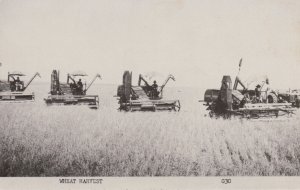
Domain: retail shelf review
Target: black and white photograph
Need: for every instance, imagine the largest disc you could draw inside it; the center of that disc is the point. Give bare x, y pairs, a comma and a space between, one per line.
173, 93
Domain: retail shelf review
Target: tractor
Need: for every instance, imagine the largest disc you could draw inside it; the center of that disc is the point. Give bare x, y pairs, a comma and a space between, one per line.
71, 92
144, 97
291, 96
14, 89
230, 100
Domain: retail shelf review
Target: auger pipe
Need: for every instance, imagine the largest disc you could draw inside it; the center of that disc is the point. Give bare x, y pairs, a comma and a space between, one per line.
141, 78
69, 77
97, 76
29, 82
164, 84
237, 79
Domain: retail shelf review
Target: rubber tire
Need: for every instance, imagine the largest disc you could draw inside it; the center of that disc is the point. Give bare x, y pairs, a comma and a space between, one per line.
127, 85
297, 102
273, 98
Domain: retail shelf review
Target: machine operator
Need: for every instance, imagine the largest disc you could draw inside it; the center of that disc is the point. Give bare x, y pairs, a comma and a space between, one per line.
154, 89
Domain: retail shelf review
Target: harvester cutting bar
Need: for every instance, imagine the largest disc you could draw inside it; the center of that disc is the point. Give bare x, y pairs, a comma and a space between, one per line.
268, 109
90, 100
284, 107
16, 97
254, 114
264, 110
263, 105
153, 105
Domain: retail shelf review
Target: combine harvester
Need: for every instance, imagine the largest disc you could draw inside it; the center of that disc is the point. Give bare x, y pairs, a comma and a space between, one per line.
246, 103
71, 93
144, 97
14, 89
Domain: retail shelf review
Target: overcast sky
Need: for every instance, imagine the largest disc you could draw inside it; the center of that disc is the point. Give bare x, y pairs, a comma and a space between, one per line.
198, 41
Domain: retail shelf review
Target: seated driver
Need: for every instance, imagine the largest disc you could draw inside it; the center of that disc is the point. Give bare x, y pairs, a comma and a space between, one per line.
18, 84
154, 89
258, 93
80, 86
73, 85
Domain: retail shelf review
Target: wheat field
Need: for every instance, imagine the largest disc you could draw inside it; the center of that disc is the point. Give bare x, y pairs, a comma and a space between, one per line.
36, 140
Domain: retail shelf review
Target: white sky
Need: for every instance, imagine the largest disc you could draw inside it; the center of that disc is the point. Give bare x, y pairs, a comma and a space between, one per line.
198, 41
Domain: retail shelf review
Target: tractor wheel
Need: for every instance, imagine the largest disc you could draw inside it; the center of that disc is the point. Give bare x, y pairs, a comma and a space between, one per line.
272, 98
127, 84
297, 102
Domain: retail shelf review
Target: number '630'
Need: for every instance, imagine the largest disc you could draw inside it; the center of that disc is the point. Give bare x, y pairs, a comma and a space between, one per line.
225, 181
